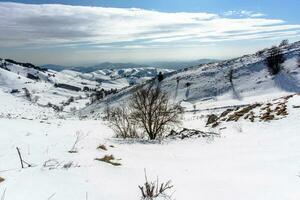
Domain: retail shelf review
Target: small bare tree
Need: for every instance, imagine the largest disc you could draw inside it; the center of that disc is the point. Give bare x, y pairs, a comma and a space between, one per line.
121, 123
149, 112
298, 61
153, 112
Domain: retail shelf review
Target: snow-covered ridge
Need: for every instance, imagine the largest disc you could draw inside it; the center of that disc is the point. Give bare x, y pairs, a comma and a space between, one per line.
48, 87
205, 84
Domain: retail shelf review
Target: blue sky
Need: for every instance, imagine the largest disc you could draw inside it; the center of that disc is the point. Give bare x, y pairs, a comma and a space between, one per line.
156, 30
287, 10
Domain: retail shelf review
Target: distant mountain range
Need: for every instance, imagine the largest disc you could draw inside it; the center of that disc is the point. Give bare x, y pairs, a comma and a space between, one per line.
108, 65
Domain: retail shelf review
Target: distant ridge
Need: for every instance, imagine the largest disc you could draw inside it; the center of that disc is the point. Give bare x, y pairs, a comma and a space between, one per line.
109, 65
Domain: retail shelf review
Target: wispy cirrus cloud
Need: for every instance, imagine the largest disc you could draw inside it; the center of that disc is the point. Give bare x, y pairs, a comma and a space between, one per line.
243, 13
98, 27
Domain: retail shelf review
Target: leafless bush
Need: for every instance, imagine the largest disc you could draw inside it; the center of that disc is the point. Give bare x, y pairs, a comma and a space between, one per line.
155, 189
120, 122
28, 95
149, 113
153, 113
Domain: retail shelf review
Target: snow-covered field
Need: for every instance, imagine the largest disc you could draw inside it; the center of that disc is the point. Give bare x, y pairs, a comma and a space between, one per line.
258, 159
248, 161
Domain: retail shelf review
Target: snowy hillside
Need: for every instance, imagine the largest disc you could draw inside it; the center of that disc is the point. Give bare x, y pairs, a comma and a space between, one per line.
47, 87
205, 85
236, 141
247, 161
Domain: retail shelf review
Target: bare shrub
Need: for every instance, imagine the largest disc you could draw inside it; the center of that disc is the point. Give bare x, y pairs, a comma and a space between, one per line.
154, 190
120, 122
274, 60
149, 113
27, 94
153, 112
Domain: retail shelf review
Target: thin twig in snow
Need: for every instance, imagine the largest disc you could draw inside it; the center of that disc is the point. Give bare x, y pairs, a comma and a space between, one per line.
3, 195
51, 196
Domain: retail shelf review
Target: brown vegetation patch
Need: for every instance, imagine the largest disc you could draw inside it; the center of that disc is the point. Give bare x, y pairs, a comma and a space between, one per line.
281, 109
277, 109
102, 146
109, 159
238, 114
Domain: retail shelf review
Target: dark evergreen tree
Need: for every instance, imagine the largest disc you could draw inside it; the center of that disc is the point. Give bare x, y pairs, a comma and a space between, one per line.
274, 60
160, 77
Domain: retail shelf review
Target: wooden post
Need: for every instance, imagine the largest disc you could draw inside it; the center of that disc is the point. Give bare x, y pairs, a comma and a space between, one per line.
21, 160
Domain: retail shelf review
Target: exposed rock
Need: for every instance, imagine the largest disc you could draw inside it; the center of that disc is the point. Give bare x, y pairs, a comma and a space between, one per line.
211, 119
190, 133
226, 112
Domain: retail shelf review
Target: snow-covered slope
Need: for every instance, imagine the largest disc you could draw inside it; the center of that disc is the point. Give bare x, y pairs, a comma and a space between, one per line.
254, 153
48, 87
210, 82
248, 161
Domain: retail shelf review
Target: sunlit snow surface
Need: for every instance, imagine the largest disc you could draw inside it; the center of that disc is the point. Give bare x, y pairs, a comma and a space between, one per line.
250, 160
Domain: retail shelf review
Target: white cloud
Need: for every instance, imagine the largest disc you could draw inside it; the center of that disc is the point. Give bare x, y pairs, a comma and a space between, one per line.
77, 26
243, 13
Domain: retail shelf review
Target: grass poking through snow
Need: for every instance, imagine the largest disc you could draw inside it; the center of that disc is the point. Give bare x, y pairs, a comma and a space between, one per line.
109, 159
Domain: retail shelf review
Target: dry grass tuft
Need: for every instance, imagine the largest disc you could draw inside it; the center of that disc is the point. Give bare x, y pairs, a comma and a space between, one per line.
1, 179
102, 146
109, 159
